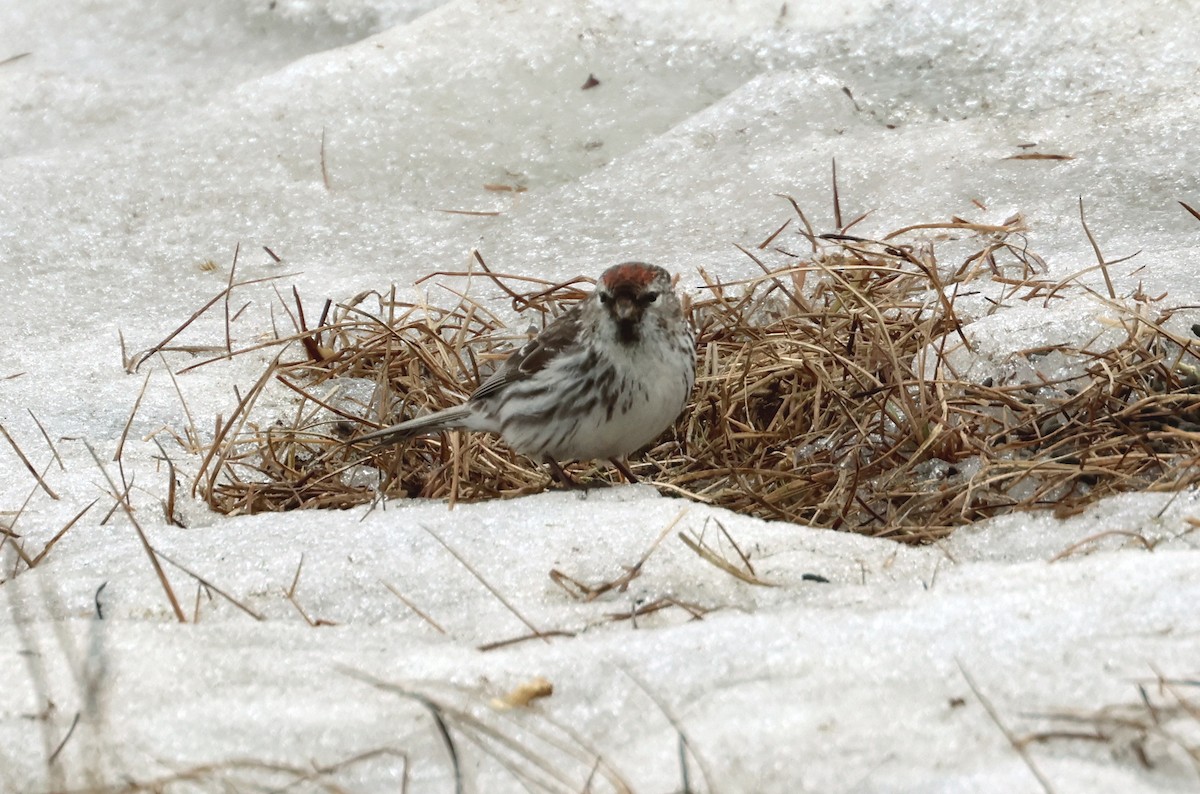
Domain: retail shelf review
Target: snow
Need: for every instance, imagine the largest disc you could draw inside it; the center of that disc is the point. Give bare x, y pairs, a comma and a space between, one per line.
139, 141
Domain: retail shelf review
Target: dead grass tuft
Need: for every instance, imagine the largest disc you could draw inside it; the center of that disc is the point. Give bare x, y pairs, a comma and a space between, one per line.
827, 395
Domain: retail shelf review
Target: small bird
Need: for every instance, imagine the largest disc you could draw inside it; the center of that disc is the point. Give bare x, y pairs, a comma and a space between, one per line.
600, 381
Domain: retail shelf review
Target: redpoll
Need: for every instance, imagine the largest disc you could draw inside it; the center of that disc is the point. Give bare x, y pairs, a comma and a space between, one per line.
602, 380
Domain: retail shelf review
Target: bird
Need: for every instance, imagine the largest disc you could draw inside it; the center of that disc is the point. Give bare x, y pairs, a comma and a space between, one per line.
602, 380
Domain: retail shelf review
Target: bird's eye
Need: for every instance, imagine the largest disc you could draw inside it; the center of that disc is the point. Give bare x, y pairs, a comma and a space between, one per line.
605, 298
650, 297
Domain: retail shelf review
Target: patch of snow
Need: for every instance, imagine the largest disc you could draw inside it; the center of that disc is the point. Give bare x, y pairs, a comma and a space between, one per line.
140, 144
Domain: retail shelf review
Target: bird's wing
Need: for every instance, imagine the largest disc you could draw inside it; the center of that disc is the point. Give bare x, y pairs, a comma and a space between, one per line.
554, 339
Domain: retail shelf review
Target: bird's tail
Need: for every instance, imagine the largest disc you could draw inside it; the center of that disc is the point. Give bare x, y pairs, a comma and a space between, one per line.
447, 419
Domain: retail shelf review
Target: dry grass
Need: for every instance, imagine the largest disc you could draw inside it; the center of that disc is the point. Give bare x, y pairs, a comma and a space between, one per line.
827, 395
1160, 730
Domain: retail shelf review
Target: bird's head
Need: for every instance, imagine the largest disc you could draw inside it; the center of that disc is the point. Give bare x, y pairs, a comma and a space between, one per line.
633, 294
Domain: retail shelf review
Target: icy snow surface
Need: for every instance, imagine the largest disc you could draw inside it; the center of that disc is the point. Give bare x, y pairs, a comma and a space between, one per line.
139, 141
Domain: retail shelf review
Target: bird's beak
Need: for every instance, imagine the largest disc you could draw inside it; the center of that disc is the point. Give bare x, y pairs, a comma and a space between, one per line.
625, 309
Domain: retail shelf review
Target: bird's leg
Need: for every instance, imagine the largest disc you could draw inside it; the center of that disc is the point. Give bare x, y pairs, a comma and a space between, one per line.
560, 476
621, 466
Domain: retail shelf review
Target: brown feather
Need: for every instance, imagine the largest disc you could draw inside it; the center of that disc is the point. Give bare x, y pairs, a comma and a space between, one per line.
555, 338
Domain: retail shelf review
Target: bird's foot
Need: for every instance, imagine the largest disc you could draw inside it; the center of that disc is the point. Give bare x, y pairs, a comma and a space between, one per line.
562, 478
567, 482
